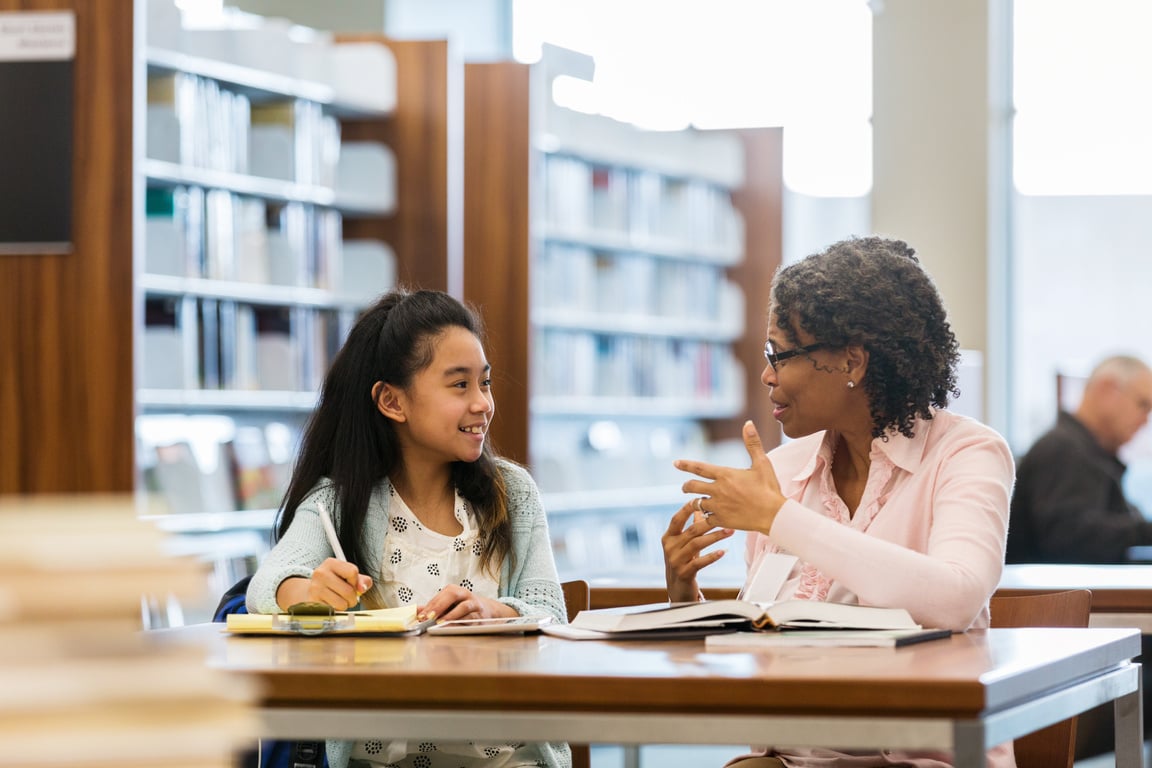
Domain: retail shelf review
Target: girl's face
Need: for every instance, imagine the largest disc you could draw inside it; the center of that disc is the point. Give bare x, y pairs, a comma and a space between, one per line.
449, 405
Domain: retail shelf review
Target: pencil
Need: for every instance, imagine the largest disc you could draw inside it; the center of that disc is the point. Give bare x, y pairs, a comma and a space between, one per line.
330, 532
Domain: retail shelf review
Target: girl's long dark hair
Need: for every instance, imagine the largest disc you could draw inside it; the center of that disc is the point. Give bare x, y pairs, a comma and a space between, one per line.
348, 441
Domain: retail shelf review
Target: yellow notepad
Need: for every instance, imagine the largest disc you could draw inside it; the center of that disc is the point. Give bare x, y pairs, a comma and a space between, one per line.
310, 621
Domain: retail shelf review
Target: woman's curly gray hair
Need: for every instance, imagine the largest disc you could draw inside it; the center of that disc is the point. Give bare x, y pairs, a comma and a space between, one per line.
873, 292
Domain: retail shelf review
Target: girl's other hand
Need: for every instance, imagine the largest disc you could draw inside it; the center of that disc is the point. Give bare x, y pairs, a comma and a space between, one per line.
454, 602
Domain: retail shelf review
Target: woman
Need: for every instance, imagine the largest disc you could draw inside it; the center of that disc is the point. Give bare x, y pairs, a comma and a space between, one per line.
882, 498
397, 452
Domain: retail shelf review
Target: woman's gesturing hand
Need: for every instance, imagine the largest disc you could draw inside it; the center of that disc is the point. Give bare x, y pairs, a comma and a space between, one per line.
742, 499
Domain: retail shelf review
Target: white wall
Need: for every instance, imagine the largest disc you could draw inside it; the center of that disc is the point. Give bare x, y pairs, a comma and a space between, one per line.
1082, 289
930, 147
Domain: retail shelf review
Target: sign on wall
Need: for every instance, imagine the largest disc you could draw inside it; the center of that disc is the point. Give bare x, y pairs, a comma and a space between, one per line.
37, 53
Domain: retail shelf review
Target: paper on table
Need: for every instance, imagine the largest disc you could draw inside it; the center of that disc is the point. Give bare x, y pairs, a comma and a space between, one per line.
771, 572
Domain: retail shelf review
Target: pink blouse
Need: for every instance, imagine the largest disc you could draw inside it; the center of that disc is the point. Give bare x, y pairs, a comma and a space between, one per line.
928, 536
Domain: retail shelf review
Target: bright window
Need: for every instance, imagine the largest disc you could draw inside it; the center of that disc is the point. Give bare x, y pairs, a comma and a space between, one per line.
668, 64
1083, 107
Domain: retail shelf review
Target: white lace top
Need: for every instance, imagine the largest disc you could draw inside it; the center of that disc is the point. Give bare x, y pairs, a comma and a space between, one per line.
417, 564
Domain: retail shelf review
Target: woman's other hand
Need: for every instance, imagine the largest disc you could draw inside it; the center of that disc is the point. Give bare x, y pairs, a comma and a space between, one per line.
683, 544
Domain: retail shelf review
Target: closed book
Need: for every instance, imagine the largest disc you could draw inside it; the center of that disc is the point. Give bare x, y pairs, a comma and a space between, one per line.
862, 638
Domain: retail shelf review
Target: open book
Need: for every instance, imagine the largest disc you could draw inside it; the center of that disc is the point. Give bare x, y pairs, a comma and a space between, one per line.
730, 615
320, 619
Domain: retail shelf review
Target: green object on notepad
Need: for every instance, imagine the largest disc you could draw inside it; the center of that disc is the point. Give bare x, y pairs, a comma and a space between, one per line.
310, 609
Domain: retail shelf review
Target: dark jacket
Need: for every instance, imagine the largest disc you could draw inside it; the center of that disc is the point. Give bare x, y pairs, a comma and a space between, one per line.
1068, 505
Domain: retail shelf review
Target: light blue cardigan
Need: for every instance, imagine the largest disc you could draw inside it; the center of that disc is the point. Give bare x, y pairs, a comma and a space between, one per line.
528, 580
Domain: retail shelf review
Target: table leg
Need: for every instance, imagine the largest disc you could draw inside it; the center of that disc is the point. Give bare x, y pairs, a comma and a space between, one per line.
968, 745
1130, 727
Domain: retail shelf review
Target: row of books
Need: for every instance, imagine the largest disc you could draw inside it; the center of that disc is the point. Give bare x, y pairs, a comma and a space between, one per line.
219, 235
581, 195
587, 364
206, 343
196, 122
83, 685
580, 278
294, 141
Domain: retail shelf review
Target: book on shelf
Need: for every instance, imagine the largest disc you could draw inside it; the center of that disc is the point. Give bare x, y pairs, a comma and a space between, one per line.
209, 344
735, 614
256, 481
272, 143
320, 619
852, 638
277, 346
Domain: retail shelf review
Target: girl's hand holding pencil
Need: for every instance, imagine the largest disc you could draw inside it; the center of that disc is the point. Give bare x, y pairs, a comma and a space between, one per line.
336, 581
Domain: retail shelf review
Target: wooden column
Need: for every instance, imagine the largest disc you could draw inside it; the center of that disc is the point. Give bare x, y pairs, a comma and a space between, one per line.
496, 233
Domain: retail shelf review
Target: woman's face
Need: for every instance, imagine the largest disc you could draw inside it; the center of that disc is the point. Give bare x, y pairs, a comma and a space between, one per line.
809, 392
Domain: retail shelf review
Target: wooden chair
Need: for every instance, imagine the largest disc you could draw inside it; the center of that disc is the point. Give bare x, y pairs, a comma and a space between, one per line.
1054, 746
614, 597
576, 596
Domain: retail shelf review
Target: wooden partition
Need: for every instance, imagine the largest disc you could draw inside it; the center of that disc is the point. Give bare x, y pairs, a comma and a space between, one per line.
66, 335
425, 134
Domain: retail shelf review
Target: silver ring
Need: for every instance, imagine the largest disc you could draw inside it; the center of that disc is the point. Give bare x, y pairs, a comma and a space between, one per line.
700, 506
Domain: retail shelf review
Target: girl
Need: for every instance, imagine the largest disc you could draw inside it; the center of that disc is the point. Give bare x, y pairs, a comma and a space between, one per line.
396, 452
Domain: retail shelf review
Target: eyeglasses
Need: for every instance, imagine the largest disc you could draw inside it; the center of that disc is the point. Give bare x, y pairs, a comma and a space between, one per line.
775, 358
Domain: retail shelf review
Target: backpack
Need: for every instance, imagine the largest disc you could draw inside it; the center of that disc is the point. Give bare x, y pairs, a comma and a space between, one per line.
270, 754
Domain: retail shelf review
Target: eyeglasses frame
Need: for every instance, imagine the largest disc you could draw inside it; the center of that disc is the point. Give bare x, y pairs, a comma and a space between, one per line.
775, 358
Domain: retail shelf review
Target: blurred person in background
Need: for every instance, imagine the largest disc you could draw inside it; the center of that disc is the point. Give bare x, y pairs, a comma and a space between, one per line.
1069, 504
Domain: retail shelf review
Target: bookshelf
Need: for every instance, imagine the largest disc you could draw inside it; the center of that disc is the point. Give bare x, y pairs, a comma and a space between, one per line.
303, 243
275, 209
624, 277
80, 331
247, 184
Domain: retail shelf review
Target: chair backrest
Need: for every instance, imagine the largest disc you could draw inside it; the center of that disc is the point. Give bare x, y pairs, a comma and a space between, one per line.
576, 594
1054, 746
615, 597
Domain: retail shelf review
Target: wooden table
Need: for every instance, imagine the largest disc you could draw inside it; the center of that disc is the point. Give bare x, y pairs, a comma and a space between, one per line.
966, 693
1121, 594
